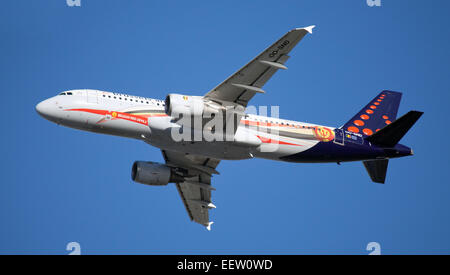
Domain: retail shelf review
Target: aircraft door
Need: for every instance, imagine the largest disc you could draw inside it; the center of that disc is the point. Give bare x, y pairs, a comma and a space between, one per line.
92, 96
338, 136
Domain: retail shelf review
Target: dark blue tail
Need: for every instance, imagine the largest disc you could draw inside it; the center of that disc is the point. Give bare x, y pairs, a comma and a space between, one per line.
380, 111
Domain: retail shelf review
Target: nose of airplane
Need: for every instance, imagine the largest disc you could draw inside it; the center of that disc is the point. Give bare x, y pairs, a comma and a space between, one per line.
39, 108
42, 108
46, 109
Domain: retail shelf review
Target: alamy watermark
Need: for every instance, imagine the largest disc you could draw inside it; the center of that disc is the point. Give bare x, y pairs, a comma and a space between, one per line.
208, 123
74, 248
374, 3
374, 248
73, 3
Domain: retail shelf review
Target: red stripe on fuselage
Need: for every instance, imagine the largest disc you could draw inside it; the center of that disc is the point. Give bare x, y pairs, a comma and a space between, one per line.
269, 140
92, 111
118, 115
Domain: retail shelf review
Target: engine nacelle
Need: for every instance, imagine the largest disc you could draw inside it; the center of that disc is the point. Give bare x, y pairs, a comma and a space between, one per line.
152, 173
176, 105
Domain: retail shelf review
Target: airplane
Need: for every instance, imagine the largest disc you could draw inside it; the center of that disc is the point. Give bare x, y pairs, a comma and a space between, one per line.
371, 136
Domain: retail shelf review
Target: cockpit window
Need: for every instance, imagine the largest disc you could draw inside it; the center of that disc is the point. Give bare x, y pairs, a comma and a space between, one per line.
62, 94
69, 93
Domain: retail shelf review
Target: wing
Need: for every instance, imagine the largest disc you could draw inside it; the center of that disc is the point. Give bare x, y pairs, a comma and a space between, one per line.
195, 191
240, 87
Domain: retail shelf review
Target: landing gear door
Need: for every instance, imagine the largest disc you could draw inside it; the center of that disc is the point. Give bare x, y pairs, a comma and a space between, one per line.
338, 136
92, 96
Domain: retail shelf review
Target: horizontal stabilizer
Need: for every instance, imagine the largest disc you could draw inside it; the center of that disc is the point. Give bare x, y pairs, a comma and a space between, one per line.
377, 169
390, 135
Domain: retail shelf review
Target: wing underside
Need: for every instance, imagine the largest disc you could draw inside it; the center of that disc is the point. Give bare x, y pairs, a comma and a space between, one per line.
195, 191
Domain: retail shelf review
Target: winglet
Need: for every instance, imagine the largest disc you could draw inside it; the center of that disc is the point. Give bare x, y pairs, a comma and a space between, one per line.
308, 29
208, 227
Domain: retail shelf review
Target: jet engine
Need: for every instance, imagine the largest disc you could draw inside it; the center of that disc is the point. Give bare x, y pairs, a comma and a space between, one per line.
152, 173
176, 105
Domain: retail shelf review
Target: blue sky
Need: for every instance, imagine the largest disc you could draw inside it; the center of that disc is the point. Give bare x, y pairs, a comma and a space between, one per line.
61, 185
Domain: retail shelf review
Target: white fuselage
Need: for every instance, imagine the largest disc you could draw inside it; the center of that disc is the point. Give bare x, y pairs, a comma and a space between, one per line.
145, 119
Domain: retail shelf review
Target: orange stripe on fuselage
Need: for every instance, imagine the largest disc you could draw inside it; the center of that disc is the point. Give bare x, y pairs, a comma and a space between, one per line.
141, 119
269, 140
92, 111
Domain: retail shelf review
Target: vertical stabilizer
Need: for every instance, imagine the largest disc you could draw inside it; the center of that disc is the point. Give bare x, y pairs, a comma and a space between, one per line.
378, 113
